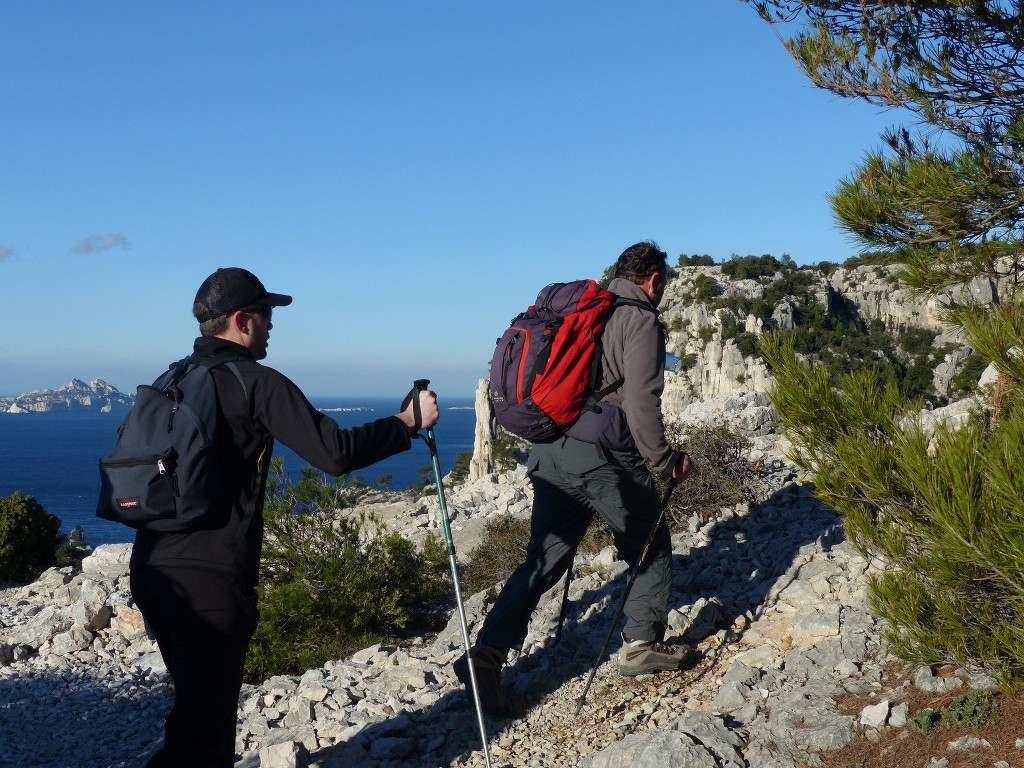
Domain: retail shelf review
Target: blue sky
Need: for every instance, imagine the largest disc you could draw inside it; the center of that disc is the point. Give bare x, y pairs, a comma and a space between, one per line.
412, 172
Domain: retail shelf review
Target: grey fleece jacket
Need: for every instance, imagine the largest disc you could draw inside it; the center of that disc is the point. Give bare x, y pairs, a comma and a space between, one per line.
633, 349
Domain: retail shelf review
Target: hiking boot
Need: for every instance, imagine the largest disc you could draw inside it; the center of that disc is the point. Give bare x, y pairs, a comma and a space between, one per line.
641, 657
487, 664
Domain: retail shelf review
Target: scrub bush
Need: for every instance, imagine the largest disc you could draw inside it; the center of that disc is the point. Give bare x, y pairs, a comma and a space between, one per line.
721, 475
503, 549
500, 552
460, 467
30, 538
333, 581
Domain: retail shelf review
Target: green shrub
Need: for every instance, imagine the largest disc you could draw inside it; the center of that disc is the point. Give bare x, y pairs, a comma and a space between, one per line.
965, 381
971, 710
706, 288
924, 721
686, 362
29, 538
695, 260
329, 587
69, 555
507, 450
867, 258
796, 283
748, 344
752, 267
731, 327
942, 508
460, 467
917, 341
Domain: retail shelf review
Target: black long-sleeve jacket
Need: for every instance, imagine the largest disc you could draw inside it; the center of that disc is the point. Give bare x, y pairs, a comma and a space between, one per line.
271, 408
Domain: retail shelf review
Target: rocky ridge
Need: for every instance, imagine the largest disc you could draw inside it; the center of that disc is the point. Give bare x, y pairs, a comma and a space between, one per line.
770, 592
76, 395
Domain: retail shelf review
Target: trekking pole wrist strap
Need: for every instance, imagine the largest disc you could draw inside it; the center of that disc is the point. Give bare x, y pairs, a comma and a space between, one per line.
414, 397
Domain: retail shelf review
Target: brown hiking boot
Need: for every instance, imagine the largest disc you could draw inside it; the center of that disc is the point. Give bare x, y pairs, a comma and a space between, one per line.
640, 657
487, 664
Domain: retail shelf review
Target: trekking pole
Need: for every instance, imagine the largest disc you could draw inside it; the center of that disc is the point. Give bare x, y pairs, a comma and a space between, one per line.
418, 386
629, 585
565, 598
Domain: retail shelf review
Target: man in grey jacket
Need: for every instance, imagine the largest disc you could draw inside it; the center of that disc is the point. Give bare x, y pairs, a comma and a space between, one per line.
599, 467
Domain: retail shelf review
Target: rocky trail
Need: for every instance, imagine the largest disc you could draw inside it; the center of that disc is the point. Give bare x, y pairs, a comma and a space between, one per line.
771, 593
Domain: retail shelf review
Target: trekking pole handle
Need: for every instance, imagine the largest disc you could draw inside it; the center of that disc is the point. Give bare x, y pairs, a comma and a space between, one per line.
417, 386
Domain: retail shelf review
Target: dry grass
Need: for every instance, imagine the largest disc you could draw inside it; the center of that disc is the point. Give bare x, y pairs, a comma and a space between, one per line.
907, 747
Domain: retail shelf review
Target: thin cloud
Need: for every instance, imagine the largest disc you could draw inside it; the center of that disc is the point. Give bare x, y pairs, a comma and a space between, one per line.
5, 253
95, 243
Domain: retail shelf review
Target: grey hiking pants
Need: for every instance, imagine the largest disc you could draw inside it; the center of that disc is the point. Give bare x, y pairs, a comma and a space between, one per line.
572, 481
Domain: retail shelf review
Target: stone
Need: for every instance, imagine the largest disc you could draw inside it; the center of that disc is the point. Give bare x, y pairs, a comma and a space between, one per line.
875, 715
968, 743
898, 715
812, 622
286, 754
108, 561
658, 749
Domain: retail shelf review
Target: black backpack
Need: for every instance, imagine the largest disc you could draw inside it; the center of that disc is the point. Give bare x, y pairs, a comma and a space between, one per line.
163, 474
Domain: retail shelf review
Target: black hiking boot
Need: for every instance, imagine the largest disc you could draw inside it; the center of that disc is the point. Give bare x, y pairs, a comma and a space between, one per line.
487, 664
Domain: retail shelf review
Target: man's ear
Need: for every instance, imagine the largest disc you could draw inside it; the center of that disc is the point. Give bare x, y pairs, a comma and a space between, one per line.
240, 321
652, 283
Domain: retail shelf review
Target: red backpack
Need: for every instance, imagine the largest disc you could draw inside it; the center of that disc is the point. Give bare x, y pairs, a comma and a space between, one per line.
545, 362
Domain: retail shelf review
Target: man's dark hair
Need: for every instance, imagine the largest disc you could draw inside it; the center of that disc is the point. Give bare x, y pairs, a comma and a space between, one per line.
639, 261
214, 325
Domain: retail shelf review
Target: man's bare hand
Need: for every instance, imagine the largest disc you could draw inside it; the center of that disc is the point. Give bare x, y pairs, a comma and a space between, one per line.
682, 469
429, 413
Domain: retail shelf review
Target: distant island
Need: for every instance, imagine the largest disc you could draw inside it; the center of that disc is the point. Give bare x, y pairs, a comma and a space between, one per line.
76, 395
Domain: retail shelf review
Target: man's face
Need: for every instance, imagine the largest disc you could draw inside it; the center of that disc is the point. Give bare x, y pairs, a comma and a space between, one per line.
260, 323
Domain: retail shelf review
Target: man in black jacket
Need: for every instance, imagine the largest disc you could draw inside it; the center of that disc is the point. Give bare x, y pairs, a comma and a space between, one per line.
197, 590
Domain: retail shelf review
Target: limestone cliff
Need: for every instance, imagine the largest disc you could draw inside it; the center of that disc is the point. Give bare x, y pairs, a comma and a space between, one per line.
707, 314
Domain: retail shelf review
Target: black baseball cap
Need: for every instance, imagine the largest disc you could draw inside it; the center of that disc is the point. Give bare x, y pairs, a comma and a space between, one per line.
232, 288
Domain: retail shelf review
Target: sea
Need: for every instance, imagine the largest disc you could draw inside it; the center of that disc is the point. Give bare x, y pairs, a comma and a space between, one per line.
54, 457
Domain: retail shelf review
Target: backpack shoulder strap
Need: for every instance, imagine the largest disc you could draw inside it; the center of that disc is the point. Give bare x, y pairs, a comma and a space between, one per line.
228, 360
619, 301
173, 374
601, 394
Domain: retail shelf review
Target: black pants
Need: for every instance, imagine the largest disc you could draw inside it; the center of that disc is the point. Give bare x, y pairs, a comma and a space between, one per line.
203, 622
